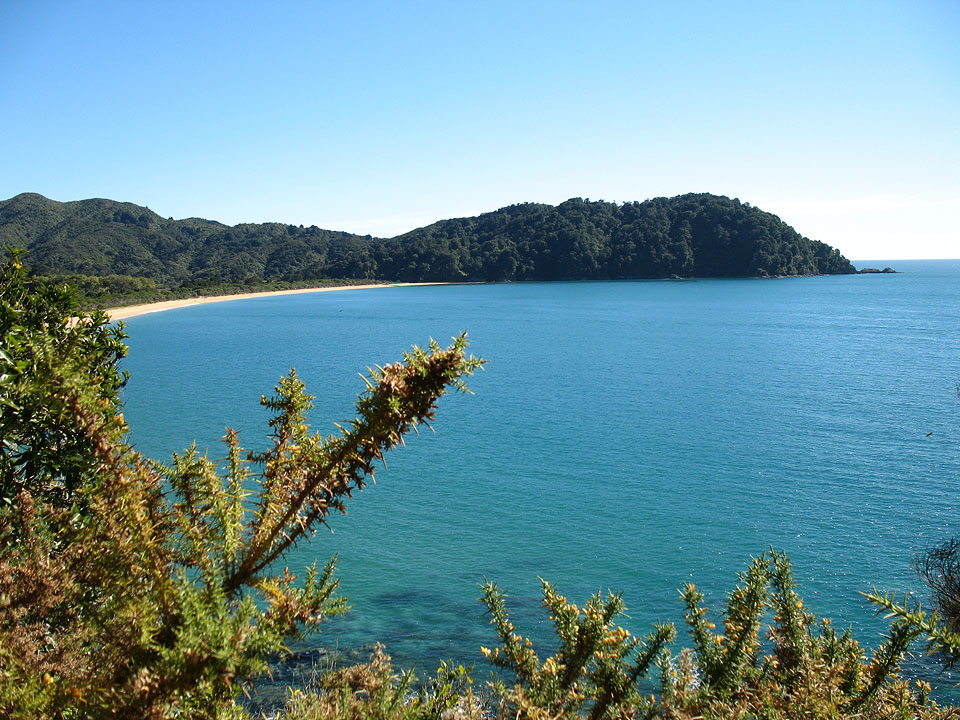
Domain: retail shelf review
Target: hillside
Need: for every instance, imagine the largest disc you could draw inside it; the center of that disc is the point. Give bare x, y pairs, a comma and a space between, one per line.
695, 235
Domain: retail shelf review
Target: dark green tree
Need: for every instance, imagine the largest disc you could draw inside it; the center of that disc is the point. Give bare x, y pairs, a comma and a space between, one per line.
41, 326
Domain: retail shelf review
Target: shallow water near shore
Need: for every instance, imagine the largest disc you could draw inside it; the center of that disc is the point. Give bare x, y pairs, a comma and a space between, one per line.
624, 435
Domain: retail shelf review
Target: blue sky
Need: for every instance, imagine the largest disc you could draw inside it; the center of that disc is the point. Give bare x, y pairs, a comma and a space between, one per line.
843, 118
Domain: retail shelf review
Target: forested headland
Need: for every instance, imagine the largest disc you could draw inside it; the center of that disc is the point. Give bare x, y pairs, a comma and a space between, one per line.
109, 248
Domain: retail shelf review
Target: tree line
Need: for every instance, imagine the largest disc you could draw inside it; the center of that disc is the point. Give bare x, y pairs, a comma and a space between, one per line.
694, 235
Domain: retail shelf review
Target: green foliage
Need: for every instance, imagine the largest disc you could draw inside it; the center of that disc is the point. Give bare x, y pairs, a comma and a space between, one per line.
805, 668
91, 288
941, 636
117, 291
799, 668
44, 337
164, 597
373, 691
695, 235
595, 670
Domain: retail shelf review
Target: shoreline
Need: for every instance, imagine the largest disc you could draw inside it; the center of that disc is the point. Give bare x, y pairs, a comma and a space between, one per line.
128, 311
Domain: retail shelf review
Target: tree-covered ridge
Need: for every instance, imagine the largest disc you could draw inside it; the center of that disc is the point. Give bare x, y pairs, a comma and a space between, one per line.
694, 235
102, 237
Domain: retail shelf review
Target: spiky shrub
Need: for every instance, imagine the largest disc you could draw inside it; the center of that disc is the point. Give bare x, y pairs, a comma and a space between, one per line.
941, 636
802, 668
145, 591
770, 658
375, 691
595, 670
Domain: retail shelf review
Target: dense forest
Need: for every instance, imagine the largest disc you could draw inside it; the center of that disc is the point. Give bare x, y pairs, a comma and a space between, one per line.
694, 235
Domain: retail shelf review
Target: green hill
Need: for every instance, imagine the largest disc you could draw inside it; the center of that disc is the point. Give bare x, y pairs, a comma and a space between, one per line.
695, 235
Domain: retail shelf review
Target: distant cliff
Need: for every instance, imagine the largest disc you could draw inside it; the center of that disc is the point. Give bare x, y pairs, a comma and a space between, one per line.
695, 235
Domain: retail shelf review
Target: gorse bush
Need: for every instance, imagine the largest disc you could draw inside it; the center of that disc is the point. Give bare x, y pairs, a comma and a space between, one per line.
374, 691
799, 667
595, 670
131, 589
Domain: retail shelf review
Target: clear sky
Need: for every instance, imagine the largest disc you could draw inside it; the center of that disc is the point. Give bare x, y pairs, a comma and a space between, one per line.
843, 118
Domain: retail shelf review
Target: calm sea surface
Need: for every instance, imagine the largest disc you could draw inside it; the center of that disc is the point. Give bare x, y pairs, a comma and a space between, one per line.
624, 435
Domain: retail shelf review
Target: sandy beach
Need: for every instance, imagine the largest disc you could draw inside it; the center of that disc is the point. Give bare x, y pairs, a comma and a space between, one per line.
128, 311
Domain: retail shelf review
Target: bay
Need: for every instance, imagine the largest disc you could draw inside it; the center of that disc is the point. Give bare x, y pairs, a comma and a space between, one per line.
624, 435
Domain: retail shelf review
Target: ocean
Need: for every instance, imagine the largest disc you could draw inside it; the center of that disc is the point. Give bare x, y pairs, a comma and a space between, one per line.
631, 436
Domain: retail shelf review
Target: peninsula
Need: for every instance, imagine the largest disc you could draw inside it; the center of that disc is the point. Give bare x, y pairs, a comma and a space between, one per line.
113, 250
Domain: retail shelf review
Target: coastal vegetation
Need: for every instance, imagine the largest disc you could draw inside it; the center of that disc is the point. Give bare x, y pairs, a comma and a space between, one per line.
134, 589
131, 588
123, 252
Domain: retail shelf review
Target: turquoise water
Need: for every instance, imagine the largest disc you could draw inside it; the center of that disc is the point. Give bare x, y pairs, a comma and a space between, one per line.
624, 435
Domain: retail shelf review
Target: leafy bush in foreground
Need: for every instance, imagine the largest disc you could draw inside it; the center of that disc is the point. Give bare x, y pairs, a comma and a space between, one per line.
131, 590
801, 668
374, 691
40, 452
